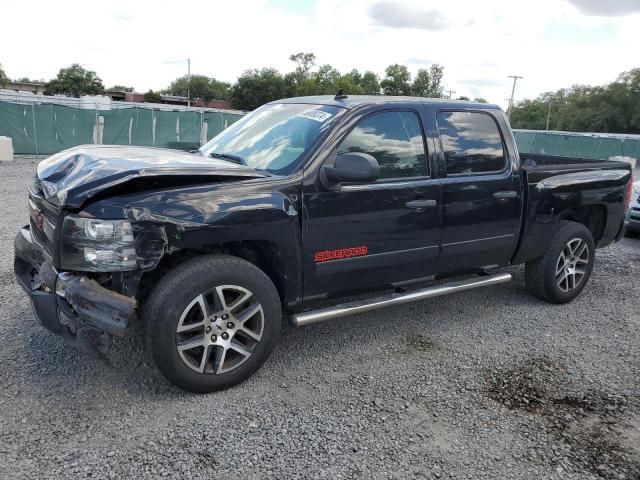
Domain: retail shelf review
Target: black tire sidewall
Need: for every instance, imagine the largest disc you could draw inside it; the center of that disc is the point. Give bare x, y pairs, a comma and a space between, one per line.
569, 231
178, 289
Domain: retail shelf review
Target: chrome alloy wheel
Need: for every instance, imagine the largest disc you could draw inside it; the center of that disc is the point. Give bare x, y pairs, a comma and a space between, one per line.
220, 329
572, 264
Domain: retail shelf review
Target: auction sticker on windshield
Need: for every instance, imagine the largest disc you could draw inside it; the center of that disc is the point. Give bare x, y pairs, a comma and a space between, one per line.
313, 114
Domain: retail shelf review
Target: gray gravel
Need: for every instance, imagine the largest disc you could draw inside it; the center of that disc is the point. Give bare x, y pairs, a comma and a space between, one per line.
485, 384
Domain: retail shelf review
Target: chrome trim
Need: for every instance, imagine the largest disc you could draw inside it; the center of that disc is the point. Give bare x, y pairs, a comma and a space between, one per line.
342, 310
477, 240
386, 183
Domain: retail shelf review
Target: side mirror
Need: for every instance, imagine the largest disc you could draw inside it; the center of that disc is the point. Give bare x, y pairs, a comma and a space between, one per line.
353, 167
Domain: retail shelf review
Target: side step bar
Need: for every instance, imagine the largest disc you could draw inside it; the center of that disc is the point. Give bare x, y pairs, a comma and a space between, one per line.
342, 310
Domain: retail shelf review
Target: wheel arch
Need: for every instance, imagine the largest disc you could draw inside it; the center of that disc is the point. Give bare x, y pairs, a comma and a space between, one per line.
263, 254
594, 217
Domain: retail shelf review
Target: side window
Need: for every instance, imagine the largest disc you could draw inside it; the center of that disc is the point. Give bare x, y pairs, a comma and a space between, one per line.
394, 139
471, 142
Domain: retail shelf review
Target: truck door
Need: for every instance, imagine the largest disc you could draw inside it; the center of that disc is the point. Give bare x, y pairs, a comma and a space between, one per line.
481, 192
360, 236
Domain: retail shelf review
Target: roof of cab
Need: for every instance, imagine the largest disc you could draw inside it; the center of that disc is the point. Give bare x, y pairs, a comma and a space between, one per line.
352, 101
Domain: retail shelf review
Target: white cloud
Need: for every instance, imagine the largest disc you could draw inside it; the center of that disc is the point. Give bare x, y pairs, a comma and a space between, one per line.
130, 43
607, 8
396, 15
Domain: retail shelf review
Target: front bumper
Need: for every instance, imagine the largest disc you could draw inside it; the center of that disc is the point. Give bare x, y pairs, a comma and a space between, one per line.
72, 305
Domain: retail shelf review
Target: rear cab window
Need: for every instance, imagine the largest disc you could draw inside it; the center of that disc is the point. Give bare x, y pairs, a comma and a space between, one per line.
471, 142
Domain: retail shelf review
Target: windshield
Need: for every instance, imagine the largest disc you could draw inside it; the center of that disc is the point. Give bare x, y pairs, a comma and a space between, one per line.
274, 137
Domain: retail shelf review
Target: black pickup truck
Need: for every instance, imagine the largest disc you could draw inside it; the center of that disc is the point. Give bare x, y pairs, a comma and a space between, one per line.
298, 206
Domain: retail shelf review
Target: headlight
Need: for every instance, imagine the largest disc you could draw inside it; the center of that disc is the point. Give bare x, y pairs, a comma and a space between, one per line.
95, 245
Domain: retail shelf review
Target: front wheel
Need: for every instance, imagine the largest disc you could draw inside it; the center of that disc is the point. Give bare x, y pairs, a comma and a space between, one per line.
212, 322
563, 271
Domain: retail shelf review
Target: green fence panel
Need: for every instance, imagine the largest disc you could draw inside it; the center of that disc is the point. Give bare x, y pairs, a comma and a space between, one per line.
215, 123
48, 128
609, 147
544, 144
231, 118
73, 126
117, 126
525, 141
16, 122
566, 145
166, 128
190, 126
59, 127
587, 147
45, 130
142, 128
631, 148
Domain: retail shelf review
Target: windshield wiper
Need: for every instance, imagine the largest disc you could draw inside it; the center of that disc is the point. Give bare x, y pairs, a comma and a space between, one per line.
228, 156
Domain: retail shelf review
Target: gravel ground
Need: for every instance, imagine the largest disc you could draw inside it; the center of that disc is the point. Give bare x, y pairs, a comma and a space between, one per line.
484, 384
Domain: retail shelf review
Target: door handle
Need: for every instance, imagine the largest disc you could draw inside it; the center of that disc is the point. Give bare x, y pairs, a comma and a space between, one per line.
504, 196
421, 203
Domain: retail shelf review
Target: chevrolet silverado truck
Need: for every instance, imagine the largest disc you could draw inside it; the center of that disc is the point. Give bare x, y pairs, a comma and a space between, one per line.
312, 209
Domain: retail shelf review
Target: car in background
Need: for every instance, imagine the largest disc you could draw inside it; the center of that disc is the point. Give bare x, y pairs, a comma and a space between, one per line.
632, 219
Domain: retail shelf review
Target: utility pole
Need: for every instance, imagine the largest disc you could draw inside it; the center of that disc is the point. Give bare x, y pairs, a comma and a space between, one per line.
451, 92
188, 83
513, 91
549, 114
188, 60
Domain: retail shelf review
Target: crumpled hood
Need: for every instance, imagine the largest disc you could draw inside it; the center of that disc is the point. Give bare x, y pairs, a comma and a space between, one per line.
71, 177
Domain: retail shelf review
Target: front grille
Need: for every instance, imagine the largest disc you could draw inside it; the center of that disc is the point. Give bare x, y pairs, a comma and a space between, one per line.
43, 218
41, 239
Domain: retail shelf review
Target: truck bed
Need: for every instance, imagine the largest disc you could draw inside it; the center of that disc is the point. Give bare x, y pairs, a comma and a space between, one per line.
589, 191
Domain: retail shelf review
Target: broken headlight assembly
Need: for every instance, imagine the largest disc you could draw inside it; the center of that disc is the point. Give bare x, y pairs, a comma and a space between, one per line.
97, 245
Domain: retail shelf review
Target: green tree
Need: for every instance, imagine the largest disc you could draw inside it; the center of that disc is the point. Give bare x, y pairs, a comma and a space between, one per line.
152, 97
348, 85
428, 83
397, 80
200, 86
480, 100
304, 63
3, 77
370, 83
463, 97
75, 81
29, 80
257, 87
327, 78
355, 76
120, 88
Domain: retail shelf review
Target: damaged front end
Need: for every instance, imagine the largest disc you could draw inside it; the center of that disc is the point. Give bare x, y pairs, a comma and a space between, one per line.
72, 305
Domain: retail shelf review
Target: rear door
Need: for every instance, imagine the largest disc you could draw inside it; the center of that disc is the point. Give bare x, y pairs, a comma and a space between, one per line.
481, 192
359, 236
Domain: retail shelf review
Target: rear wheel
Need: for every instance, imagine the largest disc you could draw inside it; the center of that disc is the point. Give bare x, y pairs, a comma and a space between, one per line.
212, 322
563, 271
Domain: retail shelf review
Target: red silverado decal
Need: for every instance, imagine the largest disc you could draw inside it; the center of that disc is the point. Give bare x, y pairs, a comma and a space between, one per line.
326, 255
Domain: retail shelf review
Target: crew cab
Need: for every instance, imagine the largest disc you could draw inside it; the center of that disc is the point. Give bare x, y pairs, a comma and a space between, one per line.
312, 209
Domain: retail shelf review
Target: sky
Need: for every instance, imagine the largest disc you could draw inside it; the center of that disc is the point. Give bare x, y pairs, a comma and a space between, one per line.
144, 44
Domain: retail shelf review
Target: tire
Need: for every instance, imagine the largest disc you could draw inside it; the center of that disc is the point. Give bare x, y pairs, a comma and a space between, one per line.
544, 277
212, 305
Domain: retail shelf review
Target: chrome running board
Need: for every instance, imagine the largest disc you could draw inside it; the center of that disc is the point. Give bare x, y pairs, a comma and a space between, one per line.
342, 310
